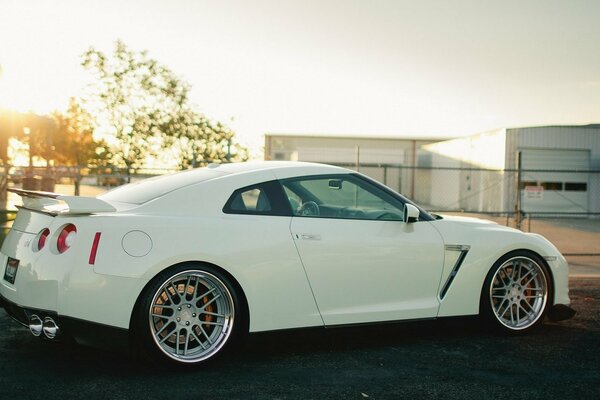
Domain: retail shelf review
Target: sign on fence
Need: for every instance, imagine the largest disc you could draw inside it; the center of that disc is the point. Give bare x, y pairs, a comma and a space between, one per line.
534, 192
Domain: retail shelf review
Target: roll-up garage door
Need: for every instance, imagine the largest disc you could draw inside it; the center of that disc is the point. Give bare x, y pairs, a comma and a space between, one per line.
553, 180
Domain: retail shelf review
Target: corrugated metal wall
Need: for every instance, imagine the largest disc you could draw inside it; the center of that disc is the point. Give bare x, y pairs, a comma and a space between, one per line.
559, 138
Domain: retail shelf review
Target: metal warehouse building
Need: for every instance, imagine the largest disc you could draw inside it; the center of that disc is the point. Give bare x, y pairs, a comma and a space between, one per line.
559, 164
560, 167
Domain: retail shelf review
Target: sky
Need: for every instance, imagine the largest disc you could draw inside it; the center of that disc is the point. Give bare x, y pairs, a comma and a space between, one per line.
341, 67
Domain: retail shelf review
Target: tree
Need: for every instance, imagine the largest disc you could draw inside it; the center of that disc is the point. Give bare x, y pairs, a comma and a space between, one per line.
141, 99
148, 110
201, 141
74, 143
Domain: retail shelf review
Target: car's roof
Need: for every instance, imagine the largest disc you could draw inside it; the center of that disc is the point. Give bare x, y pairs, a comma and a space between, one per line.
234, 168
149, 189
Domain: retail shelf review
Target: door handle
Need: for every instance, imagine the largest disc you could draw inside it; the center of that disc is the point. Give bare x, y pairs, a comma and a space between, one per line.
304, 236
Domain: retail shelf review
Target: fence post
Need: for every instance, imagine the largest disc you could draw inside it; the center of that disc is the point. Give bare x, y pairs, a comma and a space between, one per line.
77, 180
385, 182
518, 191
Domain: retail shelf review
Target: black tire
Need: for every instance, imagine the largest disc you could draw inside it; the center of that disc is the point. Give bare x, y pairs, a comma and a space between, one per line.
516, 293
188, 315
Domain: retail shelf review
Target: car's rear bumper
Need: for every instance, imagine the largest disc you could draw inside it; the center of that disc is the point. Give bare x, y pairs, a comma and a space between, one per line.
67, 287
83, 332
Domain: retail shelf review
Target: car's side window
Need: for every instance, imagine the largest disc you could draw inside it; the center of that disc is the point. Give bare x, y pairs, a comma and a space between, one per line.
263, 199
251, 200
341, 196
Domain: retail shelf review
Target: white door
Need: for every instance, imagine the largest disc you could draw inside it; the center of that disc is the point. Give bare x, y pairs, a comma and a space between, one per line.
364, 264
551, 182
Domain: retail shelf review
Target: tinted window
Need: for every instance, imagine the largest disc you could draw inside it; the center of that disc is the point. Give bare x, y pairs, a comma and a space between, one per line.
340, 196
576, 186
251, 200
266, 198
557, 186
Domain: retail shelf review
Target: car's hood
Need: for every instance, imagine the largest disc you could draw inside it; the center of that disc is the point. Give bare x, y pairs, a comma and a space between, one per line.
471, 220
482, 233
474, 223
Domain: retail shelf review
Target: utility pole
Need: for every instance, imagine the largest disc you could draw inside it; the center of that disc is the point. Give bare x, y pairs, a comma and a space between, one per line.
518, 215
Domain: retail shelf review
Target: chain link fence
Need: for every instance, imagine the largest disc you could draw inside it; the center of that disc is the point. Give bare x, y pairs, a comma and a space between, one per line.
479, 190
563, 205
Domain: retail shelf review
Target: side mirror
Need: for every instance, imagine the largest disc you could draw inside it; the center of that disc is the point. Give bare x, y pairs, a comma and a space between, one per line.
411, 213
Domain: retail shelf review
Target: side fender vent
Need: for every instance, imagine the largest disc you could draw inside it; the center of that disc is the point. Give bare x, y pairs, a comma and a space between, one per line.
463, 253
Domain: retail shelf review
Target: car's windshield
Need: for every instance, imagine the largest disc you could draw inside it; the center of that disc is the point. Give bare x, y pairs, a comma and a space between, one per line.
149, 189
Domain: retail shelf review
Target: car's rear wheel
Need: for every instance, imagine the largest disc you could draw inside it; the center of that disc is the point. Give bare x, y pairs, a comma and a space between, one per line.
516, 292
188, 315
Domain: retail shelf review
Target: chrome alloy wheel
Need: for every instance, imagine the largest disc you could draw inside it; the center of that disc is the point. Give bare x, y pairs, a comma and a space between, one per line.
518, 293
191, 316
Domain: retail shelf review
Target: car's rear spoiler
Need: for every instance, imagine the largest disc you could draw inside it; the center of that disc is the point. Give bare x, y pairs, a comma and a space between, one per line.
55, 203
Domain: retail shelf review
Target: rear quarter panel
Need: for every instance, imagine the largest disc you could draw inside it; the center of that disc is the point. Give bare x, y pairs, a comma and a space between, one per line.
189, 226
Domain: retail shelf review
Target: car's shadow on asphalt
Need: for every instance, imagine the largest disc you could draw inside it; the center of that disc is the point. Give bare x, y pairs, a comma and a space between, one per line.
338, 339
279, 347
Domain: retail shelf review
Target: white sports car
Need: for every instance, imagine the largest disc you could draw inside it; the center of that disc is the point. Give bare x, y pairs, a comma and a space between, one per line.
179, 267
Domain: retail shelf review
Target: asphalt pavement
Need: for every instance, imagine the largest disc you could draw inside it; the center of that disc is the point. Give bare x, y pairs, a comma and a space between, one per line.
448, 359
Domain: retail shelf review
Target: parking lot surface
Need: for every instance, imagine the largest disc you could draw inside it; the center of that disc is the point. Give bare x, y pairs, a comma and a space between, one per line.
451, 358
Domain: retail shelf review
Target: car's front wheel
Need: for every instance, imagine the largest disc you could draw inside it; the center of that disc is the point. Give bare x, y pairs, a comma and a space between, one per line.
516, 292
187, 314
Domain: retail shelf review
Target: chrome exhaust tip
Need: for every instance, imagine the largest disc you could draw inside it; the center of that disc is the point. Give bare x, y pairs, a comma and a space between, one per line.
35, 325
50, 328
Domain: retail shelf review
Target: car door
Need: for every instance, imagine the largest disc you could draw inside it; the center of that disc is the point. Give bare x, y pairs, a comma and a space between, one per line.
364, 264
255, 245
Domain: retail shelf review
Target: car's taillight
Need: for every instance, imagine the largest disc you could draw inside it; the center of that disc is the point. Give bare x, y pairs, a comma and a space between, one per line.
40, 241
66, 238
